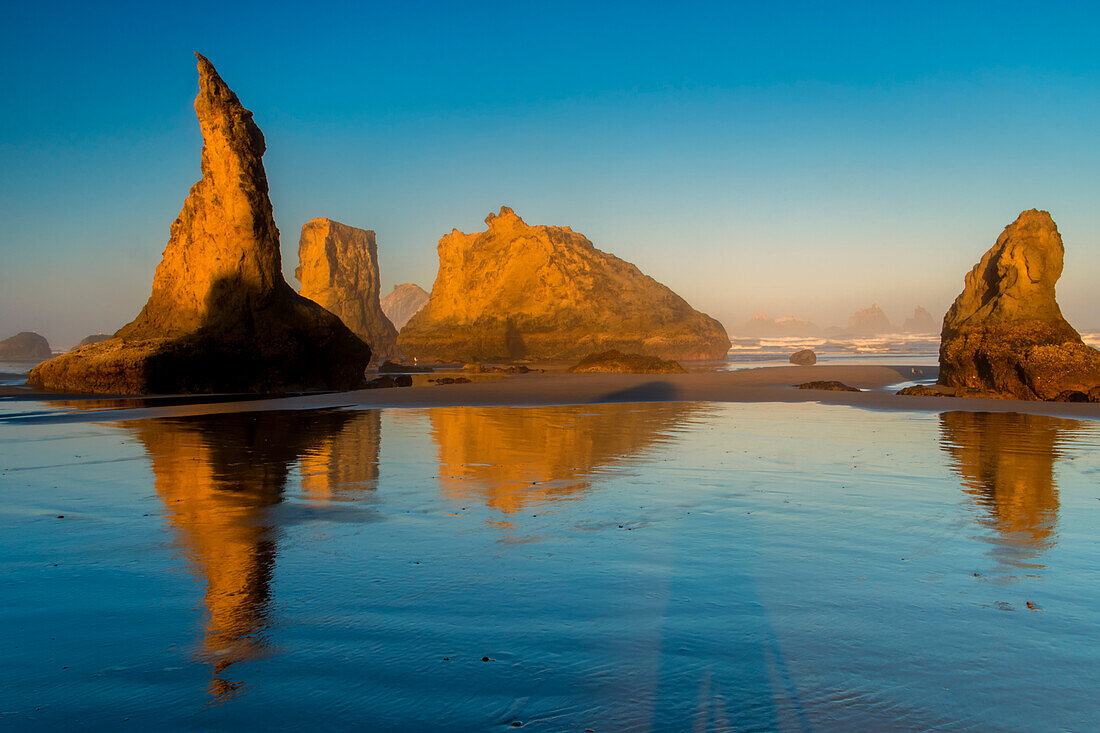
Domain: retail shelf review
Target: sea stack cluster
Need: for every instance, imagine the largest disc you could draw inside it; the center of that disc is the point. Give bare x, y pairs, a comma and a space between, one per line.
519, 291
220, 318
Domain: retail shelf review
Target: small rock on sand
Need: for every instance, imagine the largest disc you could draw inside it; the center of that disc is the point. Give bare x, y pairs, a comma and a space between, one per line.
831, 386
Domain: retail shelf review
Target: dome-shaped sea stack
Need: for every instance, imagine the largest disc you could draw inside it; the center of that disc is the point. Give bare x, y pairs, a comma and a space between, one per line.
338, 269
25, 346
1005, 336
545, 292
221, 318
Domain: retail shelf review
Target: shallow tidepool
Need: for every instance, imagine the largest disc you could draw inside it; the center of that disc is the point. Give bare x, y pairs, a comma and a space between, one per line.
623, 567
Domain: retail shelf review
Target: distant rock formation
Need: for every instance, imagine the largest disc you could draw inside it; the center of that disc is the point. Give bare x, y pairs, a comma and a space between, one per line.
921, 322
25, 346
220, 318
762, 325
869, 322
1005, 336
616, 362
404, 302
338, 269
545, 292
95, 338
804, 357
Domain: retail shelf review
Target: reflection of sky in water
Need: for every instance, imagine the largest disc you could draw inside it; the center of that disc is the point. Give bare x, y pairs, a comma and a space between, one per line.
624, 567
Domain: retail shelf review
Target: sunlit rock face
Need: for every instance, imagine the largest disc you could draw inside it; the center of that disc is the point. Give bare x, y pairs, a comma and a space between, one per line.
518, 291
220, 317
1006, 462
221, 479
869, 322
338, 269
404, 302
514, 459
25, 346
1005, 336
920, 322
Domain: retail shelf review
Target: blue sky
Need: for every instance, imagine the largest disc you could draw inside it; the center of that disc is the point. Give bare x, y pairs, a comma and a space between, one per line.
796, 158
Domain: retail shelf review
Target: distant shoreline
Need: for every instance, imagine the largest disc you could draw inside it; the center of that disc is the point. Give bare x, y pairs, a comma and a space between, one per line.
767, 384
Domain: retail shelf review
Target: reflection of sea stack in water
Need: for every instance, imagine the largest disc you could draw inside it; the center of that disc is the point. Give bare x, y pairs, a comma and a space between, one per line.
869, 322
220, 316
1006, 462
920, 322
345, 463
219, 476
25, 346
338, 269
520, 457
404, 302
545, 292
1005, 336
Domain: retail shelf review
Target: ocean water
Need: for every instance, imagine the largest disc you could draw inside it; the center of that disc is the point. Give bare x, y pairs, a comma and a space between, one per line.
626, 567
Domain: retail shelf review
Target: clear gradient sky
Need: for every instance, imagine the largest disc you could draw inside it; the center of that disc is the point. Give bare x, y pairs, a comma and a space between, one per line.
797, 158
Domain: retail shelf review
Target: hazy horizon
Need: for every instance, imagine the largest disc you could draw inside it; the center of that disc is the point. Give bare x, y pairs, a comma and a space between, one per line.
795, 159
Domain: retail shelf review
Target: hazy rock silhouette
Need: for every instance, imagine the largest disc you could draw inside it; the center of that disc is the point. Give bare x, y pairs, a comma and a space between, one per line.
220, 317
763, 325
545, 292
1004, 335
920, 322
95, 338
869, 322
25, 346
338, 269
404, 302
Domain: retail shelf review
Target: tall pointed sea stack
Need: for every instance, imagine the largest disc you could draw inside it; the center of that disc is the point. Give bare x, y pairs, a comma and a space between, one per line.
519, 291
404, 302
338, 269
221, 317
1005, 335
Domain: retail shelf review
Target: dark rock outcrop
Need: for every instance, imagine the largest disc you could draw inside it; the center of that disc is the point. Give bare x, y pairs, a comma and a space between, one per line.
517, 291
804, 357
869, 322
829, 386
1005, 336
25, 346
616, 362
338, 269
404, 302
927, 390
921, 322
220, 318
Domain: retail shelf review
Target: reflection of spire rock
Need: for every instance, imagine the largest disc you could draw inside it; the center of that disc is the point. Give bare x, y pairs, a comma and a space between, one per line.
218, 476
345, 462
512, 458
1006, 462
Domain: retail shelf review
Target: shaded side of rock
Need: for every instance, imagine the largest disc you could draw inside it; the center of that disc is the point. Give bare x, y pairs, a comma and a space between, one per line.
518, 291
616, 362
1005, 335
404, 302
25, 346
338, 269
220, 318
804, 357
830, 385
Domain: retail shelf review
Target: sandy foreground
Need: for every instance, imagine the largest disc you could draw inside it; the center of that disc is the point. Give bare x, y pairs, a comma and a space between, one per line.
769, 384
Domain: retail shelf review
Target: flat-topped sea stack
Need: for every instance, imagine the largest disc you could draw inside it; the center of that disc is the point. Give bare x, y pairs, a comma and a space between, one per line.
519, 291
404, 302
25, 346
1005, 336
221, 318
338, 269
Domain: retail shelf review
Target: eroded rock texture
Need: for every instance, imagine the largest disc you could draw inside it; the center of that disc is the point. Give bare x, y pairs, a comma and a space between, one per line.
518, 291
338, 269
404, 302
220, 318
1005, 336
